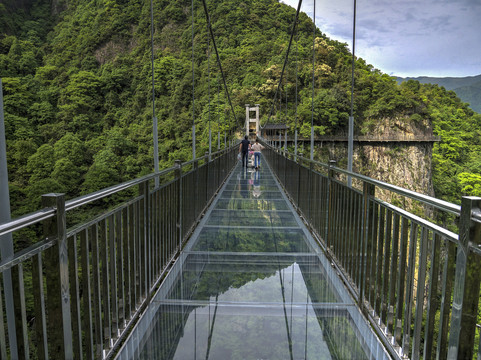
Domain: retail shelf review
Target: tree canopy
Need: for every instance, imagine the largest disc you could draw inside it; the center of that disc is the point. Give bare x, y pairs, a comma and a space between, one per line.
78, 99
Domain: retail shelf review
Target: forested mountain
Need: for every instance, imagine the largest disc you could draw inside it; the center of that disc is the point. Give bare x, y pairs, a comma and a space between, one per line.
78, 102
467, 88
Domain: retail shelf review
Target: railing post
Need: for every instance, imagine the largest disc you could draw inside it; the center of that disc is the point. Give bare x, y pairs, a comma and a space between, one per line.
330, 201
298, 182
368, 193
309, 188
195, 189
178, 177
295, 146
6, 244
59, 325
206, 178
466, 283
146, 221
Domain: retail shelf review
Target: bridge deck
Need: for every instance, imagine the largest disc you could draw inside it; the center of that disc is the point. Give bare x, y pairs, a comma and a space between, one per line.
252, 284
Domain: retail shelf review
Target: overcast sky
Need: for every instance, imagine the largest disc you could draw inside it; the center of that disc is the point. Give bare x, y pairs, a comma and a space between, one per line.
407, 37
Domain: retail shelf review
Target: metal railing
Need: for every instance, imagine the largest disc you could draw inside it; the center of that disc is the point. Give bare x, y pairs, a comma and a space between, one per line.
75, 292
416, 281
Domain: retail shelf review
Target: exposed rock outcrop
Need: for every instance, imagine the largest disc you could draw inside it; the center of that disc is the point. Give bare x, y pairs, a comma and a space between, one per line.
397, 151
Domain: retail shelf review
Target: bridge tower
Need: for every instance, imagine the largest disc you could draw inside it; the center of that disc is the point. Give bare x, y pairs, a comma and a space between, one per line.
252, 124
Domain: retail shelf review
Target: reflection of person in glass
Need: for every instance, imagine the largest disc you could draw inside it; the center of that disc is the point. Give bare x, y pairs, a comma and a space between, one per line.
256, 190
243, 184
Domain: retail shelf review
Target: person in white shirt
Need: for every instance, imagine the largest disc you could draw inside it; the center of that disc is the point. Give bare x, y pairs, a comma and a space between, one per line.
257, 154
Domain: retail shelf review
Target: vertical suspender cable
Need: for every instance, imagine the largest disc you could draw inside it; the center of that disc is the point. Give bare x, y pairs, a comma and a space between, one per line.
285, 62
218, 57
224, 120
285, 137
313, 79
297, 69
350, 146
154, 118
218, 113
6, 241
225, 124
280, 117
193, 87
208, 80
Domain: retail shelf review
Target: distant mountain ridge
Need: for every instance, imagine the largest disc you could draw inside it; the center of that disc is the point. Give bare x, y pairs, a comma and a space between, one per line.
467, 88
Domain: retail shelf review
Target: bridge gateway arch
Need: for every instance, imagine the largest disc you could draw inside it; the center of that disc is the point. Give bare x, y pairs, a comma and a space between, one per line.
252, 123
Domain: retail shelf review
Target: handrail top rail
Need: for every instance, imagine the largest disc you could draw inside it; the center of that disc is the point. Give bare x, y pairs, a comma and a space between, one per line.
429, 200
97, 195
203, 157
46, 213
26, 220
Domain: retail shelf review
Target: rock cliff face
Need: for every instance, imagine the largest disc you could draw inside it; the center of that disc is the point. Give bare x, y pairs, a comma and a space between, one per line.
58, 6
396, 151
407, 165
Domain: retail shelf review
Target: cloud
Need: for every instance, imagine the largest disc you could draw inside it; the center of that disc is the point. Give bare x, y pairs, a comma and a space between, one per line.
409, 38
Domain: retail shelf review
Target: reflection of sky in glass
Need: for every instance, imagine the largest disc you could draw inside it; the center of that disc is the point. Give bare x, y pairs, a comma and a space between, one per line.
263, 280
267, 336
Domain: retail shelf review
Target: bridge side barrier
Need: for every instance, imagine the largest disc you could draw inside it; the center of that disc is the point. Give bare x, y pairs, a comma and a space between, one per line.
417, 281
77, 291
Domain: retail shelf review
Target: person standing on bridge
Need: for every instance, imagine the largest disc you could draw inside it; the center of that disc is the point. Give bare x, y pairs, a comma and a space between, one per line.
244, 147
257, 154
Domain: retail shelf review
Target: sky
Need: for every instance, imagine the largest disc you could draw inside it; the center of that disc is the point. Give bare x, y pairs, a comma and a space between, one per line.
407, 38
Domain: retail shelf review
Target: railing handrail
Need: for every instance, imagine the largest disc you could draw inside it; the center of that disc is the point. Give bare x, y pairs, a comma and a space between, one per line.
145, 230
100, 194
26, 220
46, 213
392, 259
429, 200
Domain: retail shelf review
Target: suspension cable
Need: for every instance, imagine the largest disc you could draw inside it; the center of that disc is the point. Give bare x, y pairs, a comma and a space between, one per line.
218, 112
208, 80
154, 118
285, 61
297, 75
218, 57
285, 135
313, 80
353, 58
350, 144
193, 87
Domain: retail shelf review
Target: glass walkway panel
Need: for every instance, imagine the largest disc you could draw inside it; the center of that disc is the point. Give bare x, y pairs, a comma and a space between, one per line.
252, 284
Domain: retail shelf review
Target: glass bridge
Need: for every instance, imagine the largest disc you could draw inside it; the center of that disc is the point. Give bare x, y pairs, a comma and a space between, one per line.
252, 283
219, 264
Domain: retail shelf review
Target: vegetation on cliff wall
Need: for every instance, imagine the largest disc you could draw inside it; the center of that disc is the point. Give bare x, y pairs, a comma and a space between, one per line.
78, 104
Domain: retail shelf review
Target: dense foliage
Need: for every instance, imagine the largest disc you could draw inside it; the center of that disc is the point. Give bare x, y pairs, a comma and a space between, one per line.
78, 99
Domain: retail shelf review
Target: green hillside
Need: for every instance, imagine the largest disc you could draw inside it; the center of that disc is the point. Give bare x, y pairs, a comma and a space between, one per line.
471, 94
78, 100
467, 88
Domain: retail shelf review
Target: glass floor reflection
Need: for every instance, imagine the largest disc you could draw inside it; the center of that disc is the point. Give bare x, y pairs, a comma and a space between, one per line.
252, 284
